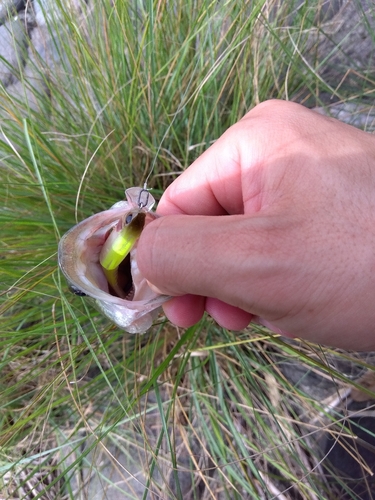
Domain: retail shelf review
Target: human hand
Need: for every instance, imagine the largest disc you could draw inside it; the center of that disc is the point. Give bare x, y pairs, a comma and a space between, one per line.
274, 223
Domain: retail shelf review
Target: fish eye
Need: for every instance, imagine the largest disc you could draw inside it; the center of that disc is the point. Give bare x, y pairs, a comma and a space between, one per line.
76, 290
129, 218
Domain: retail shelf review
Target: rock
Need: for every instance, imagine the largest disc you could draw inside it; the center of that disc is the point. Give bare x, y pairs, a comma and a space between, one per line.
9, 7
46, 11
124, 472
344, 41
12, 50
40, 61
357, 114
344, 456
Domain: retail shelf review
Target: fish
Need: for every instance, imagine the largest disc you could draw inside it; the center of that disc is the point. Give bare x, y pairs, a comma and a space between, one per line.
98, 258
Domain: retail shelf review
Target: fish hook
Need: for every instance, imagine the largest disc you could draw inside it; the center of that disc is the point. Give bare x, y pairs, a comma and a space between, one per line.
141, 203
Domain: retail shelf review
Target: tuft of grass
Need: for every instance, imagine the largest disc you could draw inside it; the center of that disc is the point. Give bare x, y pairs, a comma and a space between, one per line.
115, 93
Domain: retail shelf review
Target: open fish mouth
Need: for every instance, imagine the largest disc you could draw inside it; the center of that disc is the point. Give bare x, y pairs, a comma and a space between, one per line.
98, 257
125, 281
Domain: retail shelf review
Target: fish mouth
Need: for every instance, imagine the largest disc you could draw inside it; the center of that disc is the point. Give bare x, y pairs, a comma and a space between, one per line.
79, 260
125, 288
125, 285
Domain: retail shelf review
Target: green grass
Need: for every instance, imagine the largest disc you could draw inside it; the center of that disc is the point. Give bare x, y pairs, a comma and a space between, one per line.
137, 91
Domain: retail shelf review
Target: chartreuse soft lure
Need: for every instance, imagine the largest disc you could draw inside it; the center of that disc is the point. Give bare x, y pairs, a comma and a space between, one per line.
118, 245
98, 256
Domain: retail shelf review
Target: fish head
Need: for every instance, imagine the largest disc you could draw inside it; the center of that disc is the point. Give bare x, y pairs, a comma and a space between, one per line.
130, 303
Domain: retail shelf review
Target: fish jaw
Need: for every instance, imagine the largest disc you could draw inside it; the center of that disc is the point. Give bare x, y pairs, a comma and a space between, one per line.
137, 320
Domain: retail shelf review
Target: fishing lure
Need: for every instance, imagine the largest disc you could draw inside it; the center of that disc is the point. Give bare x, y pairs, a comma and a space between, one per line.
98, 257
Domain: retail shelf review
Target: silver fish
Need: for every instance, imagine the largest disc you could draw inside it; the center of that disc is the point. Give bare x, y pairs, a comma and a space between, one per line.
98, 257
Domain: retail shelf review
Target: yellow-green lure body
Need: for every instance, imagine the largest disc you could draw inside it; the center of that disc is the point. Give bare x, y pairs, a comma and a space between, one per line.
118, 245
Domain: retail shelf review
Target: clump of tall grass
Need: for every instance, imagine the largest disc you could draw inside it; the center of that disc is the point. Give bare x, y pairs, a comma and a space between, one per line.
112, 92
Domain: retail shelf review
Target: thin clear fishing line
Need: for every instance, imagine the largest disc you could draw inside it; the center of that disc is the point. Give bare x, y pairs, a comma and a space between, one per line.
183, 104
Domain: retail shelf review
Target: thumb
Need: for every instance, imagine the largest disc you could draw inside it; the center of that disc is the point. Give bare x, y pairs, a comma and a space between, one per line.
200, 255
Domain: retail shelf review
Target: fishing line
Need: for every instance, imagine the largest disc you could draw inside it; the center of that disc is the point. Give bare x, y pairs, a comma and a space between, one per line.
210, 73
